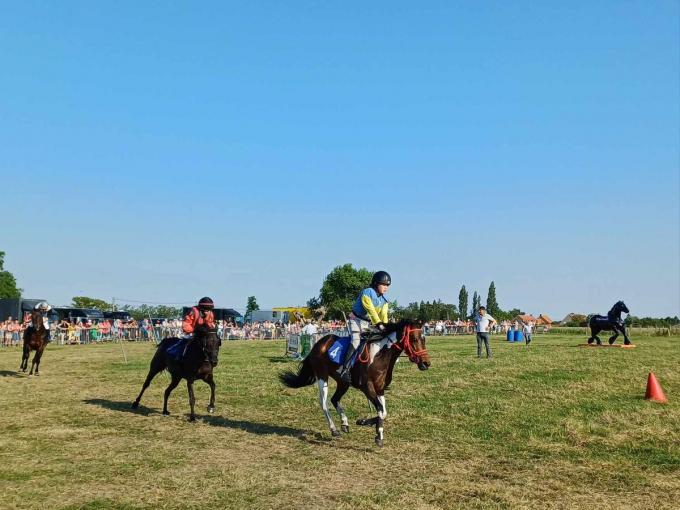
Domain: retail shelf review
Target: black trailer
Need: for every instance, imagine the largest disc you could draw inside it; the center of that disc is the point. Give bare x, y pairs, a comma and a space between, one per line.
18, 308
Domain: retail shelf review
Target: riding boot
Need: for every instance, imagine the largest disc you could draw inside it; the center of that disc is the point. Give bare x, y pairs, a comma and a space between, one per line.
344, 370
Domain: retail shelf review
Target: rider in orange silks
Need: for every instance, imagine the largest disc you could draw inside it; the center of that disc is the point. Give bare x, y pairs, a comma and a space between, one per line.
201, 314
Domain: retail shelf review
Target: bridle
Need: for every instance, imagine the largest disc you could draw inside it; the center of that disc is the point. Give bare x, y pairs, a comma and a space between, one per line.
406, 345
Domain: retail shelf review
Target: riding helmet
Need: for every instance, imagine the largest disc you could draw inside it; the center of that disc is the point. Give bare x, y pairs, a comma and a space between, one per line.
381, 278
206, 303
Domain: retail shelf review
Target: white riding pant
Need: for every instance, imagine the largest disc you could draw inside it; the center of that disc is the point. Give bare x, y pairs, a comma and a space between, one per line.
356, 327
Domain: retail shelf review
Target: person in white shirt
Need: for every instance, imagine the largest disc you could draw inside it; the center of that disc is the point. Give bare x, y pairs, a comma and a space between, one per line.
527, 330
483, 324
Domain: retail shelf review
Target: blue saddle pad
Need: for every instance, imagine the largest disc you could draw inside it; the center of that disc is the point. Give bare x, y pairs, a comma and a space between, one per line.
337, 351
176, 349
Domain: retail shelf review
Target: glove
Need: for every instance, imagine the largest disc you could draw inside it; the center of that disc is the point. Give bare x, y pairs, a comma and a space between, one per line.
380, 326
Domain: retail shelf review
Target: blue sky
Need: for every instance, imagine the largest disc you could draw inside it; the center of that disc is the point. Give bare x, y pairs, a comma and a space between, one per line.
161, 152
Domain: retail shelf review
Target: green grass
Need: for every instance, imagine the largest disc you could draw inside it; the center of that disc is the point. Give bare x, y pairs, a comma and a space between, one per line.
551, 426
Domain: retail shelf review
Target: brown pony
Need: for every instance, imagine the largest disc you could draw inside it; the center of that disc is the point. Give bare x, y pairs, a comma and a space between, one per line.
370, 377
35, 339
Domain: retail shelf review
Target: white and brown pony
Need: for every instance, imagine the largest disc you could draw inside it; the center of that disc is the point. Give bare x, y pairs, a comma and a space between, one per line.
371, 374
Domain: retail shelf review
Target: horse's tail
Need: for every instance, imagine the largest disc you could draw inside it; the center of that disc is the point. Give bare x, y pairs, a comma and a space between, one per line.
304, 376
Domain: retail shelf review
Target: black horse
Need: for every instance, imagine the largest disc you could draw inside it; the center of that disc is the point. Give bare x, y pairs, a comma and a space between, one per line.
197, 363
612, 322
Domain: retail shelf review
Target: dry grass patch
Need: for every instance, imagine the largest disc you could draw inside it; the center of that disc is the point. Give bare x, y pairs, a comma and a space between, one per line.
552, 426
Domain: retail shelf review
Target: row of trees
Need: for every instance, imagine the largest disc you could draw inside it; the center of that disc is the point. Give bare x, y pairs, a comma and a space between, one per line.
342, 285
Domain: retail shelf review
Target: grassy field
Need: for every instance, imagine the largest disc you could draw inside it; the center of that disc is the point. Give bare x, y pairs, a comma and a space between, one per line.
551, 426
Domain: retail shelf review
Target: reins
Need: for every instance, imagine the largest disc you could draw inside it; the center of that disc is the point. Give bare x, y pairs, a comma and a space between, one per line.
407, 347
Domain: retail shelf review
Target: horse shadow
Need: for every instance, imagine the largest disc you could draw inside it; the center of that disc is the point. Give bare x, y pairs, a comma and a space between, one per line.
252, 427
121, 406
9, 373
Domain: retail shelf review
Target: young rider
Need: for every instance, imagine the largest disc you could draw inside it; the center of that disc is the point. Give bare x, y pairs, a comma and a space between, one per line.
370, 309
43, 308
199, 314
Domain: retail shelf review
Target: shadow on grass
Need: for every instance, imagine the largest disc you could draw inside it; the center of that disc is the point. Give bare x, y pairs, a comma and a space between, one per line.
9, 373
123, 406
260, 429
280, 359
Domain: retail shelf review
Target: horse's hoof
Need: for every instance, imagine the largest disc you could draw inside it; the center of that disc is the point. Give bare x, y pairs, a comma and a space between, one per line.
166, 413
211, 409
626, 343
135, 405
611, 342
378, 441
345, 428
590, 341
335, 433
192, 418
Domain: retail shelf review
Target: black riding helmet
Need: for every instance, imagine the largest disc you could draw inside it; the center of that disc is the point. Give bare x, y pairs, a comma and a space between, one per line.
381, 278
206, 303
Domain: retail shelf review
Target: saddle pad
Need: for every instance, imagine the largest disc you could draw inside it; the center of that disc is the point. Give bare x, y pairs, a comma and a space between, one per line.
176, 349
337, 351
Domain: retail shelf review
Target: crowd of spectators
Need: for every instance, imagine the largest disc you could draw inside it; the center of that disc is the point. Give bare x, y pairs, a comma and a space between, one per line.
460, 327
83, 331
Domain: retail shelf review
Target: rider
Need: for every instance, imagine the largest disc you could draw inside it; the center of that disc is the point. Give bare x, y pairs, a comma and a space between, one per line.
369, 310
43, 307
200, 314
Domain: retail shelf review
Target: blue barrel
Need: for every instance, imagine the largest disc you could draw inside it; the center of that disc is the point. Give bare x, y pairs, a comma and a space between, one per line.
510, 336
519, 336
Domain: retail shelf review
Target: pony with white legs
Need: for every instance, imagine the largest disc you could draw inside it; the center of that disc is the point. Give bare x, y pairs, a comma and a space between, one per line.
371, 374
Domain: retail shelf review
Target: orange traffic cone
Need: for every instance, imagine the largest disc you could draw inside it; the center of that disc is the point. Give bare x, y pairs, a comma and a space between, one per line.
654, 391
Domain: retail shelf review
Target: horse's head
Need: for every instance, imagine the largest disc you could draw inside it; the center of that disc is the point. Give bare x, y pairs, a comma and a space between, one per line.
619, 307
209, 342
37, 318
410, 338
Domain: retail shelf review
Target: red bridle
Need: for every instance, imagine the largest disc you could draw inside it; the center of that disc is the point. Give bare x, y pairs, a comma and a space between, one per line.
413, 355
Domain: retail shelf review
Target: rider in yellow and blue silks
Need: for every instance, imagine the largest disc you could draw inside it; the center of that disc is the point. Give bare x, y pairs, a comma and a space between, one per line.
370, 309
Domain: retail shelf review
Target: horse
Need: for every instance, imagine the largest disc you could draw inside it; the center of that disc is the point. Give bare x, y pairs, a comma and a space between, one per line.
197, 363
612, 322
35, 339
371, 377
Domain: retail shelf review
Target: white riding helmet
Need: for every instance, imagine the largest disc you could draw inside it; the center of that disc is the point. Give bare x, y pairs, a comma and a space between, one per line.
43, 306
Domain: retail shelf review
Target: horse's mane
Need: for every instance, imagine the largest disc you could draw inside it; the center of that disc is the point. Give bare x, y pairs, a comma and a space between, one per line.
392, 327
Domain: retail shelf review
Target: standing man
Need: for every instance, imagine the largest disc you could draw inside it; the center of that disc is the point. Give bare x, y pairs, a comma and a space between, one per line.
483, 323
527, 330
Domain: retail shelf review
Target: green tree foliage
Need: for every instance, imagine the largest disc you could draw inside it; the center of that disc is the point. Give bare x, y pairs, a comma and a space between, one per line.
252, 305
491, 303
88, 302
425, 311
341, 287
651, 322
476, 303
155, 312
463, 301
8, 284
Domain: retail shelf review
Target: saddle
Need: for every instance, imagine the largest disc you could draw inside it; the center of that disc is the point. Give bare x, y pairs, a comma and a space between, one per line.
177, 348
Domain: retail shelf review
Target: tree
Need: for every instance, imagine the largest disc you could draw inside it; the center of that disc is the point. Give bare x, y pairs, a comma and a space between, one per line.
476, 303
341, 287
491, 303
463, 302
252, 305
88, 302
145, 311
8, 284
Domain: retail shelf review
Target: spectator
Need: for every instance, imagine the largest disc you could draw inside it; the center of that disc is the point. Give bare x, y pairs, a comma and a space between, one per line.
527, 329
483, 321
